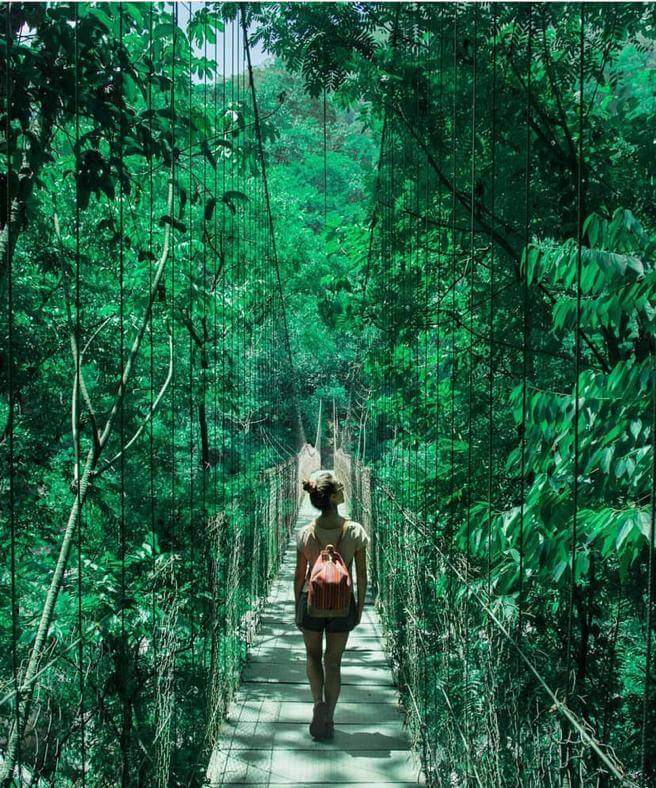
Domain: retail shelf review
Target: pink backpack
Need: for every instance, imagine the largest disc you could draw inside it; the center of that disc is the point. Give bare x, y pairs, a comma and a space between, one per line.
329, 586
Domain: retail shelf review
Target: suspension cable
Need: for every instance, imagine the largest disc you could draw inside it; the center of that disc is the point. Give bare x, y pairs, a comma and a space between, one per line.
151, 365
125, 723
274, 251
12, 394
77, 420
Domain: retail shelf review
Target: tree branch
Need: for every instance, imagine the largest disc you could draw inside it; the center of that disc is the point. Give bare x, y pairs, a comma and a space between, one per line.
120, 394
39, 646
552, 82
77, 360
150, 415
490, 231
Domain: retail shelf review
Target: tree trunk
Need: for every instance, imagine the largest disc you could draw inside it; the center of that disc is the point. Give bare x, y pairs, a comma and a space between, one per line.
28, 680
8, 238
26, 179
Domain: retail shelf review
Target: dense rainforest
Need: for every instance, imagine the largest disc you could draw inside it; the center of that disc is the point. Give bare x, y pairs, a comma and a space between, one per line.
433, 223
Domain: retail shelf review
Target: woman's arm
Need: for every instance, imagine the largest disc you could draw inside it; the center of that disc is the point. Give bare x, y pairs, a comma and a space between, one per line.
299, 575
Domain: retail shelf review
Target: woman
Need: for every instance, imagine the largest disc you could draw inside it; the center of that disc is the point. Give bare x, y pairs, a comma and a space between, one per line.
326, 493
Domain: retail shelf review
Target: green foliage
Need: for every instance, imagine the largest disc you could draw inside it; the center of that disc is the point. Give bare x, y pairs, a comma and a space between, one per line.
434, 289
469, 377
180, 538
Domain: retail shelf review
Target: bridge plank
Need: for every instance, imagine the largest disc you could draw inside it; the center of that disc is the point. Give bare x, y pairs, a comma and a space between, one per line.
294, 672
284, 766
269, 735
365, 714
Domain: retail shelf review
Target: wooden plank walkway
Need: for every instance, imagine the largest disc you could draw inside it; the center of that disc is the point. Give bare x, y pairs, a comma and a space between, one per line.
266, 741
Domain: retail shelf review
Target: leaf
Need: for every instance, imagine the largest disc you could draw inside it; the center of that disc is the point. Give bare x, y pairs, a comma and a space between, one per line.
100, 16
105, 224
209, 208
205, 148
592, 227
644, 522
230, 197
607, 456
173, 222
624, 533
561, 566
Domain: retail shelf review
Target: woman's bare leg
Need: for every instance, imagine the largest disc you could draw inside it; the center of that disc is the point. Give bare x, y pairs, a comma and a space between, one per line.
332, 660
313, 643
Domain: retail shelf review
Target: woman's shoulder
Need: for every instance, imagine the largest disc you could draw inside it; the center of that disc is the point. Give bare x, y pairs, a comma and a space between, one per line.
304, 533
358, 532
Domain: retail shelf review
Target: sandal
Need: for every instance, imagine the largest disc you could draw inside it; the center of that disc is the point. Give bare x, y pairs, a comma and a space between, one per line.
319, 719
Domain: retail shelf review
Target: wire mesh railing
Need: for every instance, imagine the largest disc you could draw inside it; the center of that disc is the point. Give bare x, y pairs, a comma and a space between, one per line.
243, 561
456, 661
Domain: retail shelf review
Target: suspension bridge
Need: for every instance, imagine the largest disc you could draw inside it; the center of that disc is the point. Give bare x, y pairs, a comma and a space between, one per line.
428, 219
265, 739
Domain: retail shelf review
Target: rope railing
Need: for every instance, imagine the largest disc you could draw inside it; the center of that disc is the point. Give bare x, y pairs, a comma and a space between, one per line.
243, 563
426, 646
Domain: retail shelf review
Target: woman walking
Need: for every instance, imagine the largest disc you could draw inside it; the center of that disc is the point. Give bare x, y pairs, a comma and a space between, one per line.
350, 540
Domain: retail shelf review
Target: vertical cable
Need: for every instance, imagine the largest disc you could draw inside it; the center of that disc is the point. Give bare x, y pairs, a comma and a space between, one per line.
204, 373
470, 382
216, 263
426, 323
646, 746
12, 393
274, 251
571, 678
490, 370
577, 358
490, 380
452, 487
525, 351
439, 416
151, 365
325, 162
236, 279
525, 326
174, 523
125, 731
213, 524
453, 253
191, 286
190, 363
224, 264
80, 620
234, 312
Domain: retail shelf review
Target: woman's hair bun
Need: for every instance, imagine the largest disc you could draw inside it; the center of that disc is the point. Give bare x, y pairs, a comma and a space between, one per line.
309, 485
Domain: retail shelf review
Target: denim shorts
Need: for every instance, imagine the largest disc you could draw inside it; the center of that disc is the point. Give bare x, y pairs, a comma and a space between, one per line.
305, 621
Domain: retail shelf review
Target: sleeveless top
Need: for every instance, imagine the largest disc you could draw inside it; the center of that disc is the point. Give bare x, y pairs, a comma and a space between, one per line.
354, 538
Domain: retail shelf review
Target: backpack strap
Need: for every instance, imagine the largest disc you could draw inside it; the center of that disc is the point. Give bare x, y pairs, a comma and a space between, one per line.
341, 533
